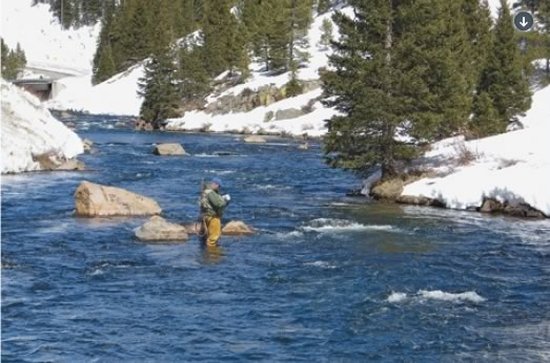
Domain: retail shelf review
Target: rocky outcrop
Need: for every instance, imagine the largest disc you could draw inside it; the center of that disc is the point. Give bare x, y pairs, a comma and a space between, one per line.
52, 160
158, 229
288, 114
388, 190
169, 150
237, 228
522, 210
255, 139
142, 125
250, 99
423, 201
94, 200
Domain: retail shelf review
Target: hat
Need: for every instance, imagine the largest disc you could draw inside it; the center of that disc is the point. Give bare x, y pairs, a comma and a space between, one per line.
217, 181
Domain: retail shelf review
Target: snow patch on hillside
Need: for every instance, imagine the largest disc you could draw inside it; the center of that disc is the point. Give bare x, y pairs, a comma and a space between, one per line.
29, 128
253, 121
46, 44
513, 167
116, 96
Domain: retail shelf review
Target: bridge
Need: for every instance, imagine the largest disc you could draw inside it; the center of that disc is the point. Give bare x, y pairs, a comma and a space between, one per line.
41, 87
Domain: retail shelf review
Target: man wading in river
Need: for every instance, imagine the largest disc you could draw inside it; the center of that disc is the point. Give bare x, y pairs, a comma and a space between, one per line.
212, 205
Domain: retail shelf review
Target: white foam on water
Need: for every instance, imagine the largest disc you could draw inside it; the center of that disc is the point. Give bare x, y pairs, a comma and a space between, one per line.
328, 225
203, 155
397, 297
423, 295
289, 235
321, 264
471, 296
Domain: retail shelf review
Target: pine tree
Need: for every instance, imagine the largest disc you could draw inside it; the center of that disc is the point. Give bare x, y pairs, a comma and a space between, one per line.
160, 87
326, 33
364, 88
323, 6
504, 78
195, 81
224, 43
13, 61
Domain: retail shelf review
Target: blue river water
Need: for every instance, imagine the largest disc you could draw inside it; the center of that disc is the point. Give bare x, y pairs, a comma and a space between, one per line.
329, 278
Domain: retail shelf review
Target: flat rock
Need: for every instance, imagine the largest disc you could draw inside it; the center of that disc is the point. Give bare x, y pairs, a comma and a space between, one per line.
95, 200
159, 229
255, 139
237, 228
168, 149
72, 164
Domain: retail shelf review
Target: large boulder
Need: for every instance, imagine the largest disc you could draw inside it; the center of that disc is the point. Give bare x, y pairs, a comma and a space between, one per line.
169, 149
388, 189
237, 228
158, 229
288, 113
94, 200
255, 139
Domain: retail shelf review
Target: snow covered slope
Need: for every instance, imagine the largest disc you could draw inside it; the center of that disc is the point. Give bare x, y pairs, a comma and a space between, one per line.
513, 166
116, 96
28, 128
46, 44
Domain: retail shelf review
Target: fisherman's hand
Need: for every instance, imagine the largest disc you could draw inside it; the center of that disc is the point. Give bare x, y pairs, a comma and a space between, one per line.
226, 197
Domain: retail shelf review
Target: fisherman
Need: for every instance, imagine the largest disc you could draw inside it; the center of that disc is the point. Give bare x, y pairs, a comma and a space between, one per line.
212, 205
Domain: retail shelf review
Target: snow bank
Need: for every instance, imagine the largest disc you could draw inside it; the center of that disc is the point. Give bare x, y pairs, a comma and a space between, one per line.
513, 167
46, 44
28, 128
116, 96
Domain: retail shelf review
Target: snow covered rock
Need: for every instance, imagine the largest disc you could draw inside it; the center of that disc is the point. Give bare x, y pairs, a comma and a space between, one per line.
94, 200
169, 149
158, 229
29, 130
254, 139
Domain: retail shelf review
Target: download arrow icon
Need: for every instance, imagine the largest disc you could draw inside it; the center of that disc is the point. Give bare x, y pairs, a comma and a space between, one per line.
523, 21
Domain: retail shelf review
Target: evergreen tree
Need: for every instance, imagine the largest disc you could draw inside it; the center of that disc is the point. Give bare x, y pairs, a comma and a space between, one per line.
13, 61
192, 73
160, 87
326, 33
323, 6
224, 42
364, 88
399, 67
504, 78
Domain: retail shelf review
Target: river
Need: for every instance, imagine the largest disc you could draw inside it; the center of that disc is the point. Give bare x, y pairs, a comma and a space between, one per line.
328, 278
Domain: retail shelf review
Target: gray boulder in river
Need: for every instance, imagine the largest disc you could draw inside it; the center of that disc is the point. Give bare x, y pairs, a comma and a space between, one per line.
169, 149
158, 229
95, 200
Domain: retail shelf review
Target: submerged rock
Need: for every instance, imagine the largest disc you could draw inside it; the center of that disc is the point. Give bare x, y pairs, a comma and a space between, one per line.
158, 229
231, 228
72, 164
95, 200
87, 143
237, 228
255, 139
169, 149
